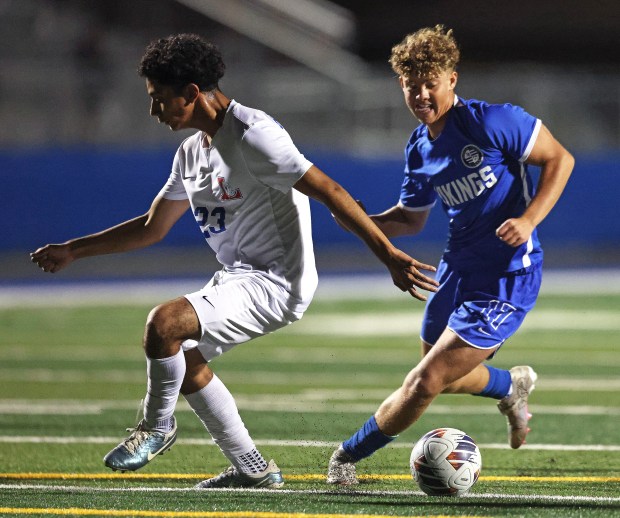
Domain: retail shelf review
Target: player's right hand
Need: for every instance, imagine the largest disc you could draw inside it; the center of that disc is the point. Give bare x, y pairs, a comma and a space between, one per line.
52, 258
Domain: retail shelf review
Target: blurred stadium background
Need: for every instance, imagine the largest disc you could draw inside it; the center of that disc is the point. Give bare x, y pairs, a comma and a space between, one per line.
78, 151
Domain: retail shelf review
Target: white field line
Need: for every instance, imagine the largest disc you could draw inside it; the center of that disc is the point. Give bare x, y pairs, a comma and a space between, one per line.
279, 402
402, 323
52, 291
36, 439
408, 323
320, 357
531, 498
238, 377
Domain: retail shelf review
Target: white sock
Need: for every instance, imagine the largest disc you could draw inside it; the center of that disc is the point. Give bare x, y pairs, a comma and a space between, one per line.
165, 376
216, 408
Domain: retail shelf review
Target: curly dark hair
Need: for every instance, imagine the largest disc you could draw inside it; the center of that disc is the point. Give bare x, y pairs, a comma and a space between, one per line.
426, 53
181, 59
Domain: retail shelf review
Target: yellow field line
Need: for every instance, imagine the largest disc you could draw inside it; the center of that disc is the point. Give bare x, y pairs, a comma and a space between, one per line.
303, 478
194, 514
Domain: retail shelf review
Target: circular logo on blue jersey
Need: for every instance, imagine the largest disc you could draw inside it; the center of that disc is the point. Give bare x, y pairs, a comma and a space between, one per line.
471, 156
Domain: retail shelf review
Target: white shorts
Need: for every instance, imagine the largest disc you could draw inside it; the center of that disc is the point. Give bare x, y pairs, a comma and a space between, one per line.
236, 307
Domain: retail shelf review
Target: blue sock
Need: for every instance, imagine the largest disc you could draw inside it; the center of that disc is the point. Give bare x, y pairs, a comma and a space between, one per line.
499, 383
366, 440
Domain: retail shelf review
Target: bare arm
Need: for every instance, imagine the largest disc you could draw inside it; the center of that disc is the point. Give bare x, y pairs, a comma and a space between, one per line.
404, 269
557, 164
135, 233
397, 221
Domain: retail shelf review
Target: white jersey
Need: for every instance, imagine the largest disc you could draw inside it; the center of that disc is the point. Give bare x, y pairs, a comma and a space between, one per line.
241, 193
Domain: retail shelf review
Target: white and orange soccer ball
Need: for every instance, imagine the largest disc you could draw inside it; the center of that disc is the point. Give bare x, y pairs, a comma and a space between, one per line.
445, 462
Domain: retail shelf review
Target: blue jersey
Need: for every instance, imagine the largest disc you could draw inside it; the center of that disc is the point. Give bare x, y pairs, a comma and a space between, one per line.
476, 168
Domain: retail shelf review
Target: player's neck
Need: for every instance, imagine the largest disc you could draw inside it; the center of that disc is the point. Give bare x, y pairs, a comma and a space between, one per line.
210, 115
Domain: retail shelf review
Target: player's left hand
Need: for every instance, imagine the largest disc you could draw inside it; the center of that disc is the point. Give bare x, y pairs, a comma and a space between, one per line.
515, 231
406, 274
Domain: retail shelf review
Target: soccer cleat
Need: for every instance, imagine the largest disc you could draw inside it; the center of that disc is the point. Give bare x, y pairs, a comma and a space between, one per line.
514, 407
341, 468
140, 447
270, 478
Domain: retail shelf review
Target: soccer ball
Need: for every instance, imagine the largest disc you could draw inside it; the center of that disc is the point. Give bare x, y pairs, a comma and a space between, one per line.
445, 462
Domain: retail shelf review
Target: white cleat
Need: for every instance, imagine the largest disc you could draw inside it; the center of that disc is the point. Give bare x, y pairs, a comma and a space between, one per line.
514, 407
341, 469
271, 478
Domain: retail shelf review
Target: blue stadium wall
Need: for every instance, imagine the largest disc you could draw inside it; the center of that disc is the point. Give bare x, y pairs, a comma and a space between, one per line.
50, 195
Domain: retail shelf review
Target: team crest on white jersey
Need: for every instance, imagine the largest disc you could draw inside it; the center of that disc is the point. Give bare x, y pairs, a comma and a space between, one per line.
227, 192
471, 156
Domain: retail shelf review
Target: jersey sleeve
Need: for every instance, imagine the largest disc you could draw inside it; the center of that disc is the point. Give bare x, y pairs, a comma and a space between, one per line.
417, 192
174, 189
511, 129
271, 156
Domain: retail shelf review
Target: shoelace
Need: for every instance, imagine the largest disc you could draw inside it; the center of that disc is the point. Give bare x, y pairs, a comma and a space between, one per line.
137, 437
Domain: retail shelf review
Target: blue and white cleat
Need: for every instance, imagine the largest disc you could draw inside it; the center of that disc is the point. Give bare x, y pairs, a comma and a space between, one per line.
271, 478
140, 447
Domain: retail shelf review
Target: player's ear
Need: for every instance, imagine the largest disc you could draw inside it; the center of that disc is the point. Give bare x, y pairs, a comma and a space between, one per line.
454, 76
191, 92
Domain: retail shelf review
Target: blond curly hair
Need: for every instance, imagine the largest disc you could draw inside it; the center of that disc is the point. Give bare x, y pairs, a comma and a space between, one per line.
426, 53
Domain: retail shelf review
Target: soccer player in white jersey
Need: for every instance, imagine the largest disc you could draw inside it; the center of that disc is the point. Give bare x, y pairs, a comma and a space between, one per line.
473, 157
247, 186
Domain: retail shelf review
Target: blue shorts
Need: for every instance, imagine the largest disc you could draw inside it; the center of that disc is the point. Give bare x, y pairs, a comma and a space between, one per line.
482, 309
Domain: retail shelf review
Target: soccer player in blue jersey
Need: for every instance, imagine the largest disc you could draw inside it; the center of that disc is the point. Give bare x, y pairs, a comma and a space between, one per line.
473, 158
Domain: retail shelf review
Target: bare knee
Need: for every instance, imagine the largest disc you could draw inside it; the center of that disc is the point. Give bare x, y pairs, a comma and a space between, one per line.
422, 386
167, 326
159, 334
